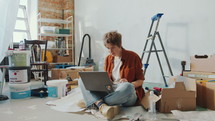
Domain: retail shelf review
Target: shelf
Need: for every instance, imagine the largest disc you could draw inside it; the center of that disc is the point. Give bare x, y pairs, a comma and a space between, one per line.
59, 48
66, 23
57, 63
55, 35
54, 21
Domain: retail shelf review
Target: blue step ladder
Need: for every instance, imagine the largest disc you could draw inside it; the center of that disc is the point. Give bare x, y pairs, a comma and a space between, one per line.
151, 37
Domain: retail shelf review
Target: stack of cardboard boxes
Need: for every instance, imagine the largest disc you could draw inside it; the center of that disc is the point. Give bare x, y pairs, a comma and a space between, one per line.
71, 74
203, 70
198, 88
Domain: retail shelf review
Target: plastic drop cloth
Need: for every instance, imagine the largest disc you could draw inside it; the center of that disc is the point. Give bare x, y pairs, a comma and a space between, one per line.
69, 104
194, 115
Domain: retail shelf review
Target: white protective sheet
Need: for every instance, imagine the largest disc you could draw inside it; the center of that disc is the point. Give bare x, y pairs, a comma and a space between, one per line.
8, 12
194, 115
68, 103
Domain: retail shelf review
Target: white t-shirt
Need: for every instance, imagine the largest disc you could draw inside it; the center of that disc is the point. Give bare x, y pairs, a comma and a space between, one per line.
116, 70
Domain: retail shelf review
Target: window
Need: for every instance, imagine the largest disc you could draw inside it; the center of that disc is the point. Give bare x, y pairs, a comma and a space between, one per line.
20, 32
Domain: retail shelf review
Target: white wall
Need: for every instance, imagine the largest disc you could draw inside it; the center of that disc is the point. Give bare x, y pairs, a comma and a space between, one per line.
186, 28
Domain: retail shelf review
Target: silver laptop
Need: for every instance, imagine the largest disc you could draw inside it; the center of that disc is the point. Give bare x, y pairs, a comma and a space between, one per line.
97, 81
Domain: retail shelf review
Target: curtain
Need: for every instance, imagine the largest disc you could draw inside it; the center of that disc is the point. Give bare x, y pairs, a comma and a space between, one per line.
8, 12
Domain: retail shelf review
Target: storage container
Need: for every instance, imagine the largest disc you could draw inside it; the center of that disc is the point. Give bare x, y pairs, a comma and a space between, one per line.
62, 31
19, 58
19, 74
48, 29
19, 91
57, 88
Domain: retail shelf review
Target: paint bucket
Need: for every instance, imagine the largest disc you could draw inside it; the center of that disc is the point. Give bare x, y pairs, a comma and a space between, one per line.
57, 88
19, 58
19, 91
19, 74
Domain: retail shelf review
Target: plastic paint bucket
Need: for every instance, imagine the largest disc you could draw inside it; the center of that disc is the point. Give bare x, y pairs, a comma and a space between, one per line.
19, 74
19, 58
57, 88
19, 91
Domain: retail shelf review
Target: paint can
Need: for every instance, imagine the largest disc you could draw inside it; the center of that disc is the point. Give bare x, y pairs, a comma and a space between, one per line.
19, 91
19, 58
57, 88
19, 74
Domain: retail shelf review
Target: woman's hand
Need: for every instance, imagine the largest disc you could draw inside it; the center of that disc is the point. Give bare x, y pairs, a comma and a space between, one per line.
123, 80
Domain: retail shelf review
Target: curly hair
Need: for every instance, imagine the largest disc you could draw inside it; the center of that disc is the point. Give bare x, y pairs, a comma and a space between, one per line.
113, 38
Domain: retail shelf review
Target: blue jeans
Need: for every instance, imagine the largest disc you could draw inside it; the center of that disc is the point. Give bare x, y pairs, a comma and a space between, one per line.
124, 95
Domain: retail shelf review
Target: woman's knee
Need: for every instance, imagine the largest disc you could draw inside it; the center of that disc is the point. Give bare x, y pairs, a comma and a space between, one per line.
128, 87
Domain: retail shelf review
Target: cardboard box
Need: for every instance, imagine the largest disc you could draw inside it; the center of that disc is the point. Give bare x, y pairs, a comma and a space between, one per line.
204, 82
59, 59
210, 95
177, 98
203, 64
72, 73
206, 95
207, 76
145, 100
71, 85
201, 94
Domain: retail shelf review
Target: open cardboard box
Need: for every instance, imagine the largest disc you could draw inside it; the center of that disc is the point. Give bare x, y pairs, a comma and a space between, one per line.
177, 98
201, 94
205, 82
206, 94
207, 76
210, 95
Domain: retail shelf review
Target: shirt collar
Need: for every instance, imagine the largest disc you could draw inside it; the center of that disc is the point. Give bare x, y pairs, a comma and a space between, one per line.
123, 56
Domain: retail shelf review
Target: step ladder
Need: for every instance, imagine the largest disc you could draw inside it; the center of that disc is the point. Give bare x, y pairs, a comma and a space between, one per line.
25, 19
37, 75
152, 37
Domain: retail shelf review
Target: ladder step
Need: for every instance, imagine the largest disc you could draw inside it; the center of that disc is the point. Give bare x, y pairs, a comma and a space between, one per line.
20, 18
19, 30
22, 7
153, 51
166, 76
150, 37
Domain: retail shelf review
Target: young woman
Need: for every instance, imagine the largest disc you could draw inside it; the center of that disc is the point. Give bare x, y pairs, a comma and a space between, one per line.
124, 67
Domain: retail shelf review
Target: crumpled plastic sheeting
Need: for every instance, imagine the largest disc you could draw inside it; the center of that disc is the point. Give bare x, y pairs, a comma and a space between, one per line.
194, 115
68, 103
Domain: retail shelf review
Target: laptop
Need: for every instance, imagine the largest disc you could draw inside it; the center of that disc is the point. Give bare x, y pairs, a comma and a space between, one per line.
97, 81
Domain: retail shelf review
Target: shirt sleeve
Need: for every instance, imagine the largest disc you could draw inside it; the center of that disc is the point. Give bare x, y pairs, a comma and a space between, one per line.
106, 63
139, 70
